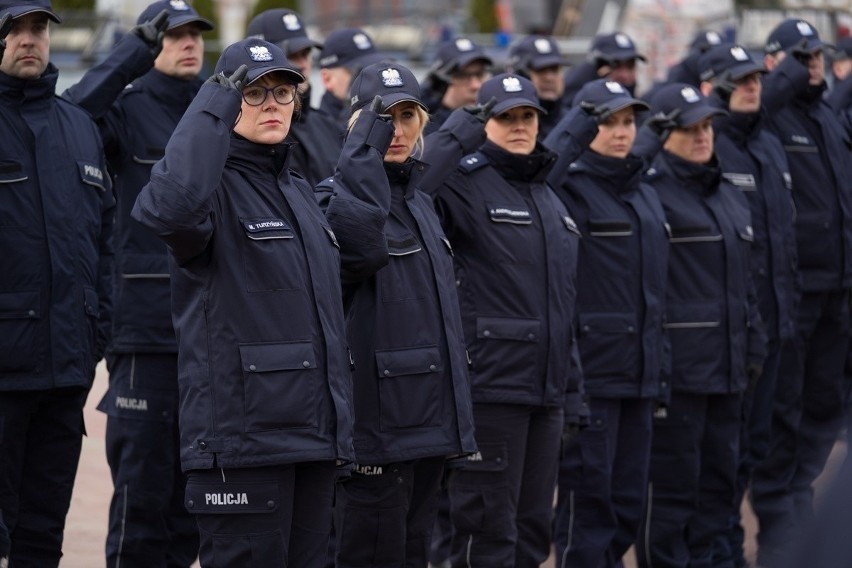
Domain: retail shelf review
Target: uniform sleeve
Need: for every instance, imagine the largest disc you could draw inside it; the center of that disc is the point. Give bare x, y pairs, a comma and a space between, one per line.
358, 207
569, 138
461, 134
455, 207
99, 88
782, 84
178, 201
576, 405
105, 266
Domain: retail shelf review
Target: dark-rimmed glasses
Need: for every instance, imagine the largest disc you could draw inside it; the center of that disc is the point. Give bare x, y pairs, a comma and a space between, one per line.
255, 95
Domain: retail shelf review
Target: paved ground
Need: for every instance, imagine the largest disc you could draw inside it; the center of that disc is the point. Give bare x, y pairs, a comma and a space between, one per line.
87, 520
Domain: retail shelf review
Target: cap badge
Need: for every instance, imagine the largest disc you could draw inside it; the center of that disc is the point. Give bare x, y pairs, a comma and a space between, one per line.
512, 85
259, 53
361, 41
291, 22
464, 44
391, 77
739, 53
689, 95
543, 46
178, 5
614, 87
804, 28
713, 38
623, 41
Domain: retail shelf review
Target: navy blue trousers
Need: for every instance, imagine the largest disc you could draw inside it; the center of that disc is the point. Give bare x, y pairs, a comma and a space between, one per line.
149, 527
806, 419
384, 515
274, 517
41, 434
502, 501
692, 488
602, 481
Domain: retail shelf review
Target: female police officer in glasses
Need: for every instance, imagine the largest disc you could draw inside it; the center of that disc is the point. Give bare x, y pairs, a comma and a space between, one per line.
265, 393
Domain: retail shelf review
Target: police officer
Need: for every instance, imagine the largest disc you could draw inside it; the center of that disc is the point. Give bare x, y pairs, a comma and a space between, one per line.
688, 70
344, 53
264, 381
412, 395
137, 95
515, 250
716, 341
55, 285
612, 56
316, 135
539, 58
752, 159
621, 280
808, 408
454, 78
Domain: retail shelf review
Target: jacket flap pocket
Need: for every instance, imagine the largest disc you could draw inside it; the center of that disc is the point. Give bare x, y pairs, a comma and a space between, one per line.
747, 233
267, 357
504, 213
411, 361
215, 498
145, 266
515, 329
489, 457
693, 314
607, 322
403, 245
149, 155
11, 171
19, 305
610, 228
139, 404
262, 229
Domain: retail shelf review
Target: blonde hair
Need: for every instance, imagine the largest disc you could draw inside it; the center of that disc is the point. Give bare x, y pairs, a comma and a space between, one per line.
419, 144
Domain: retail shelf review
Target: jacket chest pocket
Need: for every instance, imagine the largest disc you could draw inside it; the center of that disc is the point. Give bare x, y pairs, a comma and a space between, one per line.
402, 279
16, 207
148, 155
509, 228
272, 255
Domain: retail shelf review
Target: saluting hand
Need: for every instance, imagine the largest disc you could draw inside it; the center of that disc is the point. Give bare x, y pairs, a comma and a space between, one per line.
482, 112
235, 81
5, 27
663, 124
600, 112
153, 31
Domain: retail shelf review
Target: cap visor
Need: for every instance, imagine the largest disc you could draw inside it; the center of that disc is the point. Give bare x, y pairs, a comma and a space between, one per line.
18, 11
622, 103
512, 103
740, 71
254, 74
547, 61
205, 25
471, 57
296, 44
397, 98
697, 114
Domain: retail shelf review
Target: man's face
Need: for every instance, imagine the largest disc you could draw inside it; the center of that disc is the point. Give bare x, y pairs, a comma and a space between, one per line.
302, 61
623, 72
465, 85
745, 98
183, 52
815, 64
27, 47
336, 81
549, 82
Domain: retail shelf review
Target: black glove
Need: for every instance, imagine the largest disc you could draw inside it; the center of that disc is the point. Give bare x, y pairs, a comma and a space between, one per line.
723, 86
153, 31
235, 81
376, 106
663, 124
5, 27
799, 52
482, 112
600, 112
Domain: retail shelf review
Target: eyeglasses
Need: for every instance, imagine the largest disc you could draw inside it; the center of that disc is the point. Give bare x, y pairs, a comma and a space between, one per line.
256, 95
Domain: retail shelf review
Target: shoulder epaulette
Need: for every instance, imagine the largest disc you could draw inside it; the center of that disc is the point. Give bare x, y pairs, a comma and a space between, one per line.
473, 162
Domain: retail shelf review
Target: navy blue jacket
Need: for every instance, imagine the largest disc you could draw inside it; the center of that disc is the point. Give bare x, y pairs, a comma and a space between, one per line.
412, 393
751, 158
621, 274
516, 258
136, 108
318, 140
711, 310
818, 157
256, 299
56, 244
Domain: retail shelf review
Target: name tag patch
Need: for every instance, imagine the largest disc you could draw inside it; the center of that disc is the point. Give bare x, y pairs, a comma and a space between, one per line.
509, 214
745, 182
267, 228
